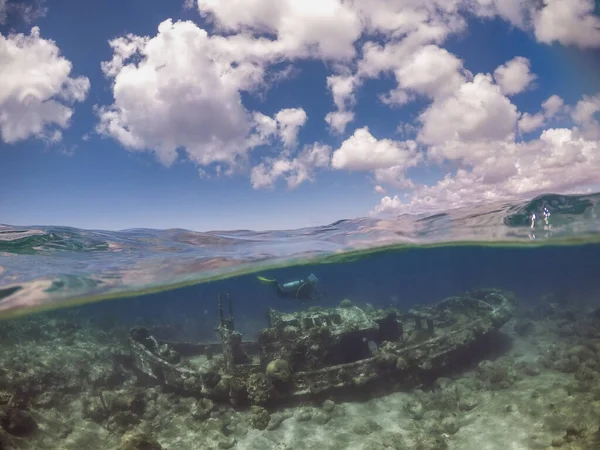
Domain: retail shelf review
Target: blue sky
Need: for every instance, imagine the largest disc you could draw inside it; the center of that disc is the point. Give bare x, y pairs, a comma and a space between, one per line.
263, 117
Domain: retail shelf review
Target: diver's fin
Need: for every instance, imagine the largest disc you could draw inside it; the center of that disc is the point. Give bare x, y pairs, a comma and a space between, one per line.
266, 280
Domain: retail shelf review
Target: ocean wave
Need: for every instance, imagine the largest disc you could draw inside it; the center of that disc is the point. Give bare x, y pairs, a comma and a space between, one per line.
45, 266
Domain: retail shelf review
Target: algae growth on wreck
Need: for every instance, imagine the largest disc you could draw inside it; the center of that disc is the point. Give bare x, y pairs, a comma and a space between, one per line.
415, 347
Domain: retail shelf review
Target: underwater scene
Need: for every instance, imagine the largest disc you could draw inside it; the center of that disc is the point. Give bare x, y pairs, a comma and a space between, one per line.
474, 329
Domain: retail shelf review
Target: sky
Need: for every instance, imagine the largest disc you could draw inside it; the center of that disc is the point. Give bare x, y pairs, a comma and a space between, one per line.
264, 114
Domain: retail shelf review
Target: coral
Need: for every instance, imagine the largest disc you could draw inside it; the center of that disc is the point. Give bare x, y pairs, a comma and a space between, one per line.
367, 427
259, 417
260, 389
415, 409
277, 420
346, 303
431, 441
202, 409
393, 441
321, 417
499, 374
328, 406
138, 441
304, 415
209, 374
279, 371
450, 425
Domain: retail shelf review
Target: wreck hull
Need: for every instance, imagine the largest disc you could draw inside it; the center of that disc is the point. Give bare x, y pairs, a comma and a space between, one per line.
324, 351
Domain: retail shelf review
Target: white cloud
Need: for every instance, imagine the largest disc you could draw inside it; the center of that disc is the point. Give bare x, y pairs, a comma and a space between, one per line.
558, 161
285, 126
265, 127
381, 58
409, 26
514, 11
325, 28
569, 22
430, 71
553, 105
395, 176
339, 120
379, 189
37, 91
363, 152
181, 90
400, 18
342, 88
389, 204
290, 120
514, 76
295, 170
550, 108
530, 122
478, 111
585, 116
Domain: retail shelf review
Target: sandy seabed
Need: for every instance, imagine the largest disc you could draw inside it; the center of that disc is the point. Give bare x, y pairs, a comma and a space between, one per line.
62, 387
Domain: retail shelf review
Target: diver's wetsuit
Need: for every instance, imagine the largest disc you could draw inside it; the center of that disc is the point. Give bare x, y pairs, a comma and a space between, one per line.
304, 289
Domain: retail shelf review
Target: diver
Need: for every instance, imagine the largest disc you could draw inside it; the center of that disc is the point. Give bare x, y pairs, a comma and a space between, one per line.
303, 289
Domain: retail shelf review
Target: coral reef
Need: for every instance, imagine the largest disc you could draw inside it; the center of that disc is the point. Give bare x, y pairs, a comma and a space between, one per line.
68, 383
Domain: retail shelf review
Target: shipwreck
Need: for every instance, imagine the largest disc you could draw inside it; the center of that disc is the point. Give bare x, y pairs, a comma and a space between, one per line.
320, 351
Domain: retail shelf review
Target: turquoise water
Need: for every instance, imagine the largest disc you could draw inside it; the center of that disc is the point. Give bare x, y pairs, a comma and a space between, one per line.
45, 266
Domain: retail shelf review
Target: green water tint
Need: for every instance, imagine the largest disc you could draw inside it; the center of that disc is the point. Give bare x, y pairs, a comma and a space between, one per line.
260, 267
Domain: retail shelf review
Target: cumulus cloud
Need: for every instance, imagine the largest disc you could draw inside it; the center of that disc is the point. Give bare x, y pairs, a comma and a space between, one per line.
363, 152
431, 71
295, 170
342, 88
419, 66
409, 27
515, 12
403, 18
514, 76
477, 111
37, 92
284, 126
569, 22
325, 29
289, 121
585, 116
474, 128
339, 120
530, 122
550, 108
182, 90
559, 160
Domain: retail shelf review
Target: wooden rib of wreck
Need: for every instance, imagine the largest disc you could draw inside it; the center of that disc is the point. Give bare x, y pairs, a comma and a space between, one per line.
323, 351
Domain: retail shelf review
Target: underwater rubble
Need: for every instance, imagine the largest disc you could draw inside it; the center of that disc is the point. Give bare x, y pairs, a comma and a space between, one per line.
474, 371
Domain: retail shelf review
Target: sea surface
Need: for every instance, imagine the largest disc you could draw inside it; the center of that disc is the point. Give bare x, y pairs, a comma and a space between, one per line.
71, 300
45, 267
